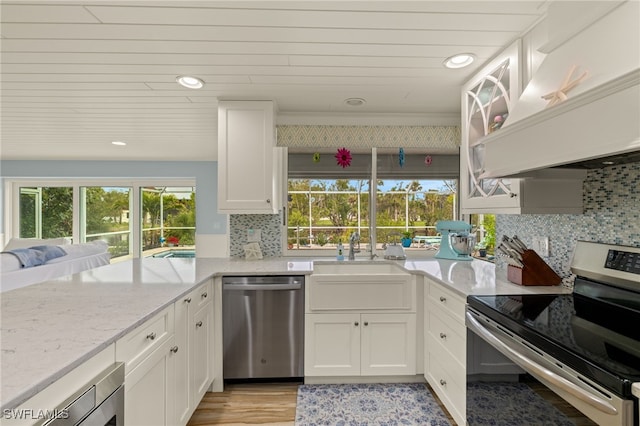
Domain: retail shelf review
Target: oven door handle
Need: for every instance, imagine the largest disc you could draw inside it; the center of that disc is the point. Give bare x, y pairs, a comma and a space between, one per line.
529, 365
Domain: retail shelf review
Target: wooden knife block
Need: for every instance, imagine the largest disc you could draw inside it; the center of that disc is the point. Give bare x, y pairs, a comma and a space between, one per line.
535, 271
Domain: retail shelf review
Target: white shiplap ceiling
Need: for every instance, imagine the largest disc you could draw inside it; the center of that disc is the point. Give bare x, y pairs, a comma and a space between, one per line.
77, 75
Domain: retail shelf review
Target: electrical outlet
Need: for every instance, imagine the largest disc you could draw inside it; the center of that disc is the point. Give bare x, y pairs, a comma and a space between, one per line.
254, 235
541, 246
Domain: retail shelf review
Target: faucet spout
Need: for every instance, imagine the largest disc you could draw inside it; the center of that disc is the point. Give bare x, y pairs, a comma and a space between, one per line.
353, 239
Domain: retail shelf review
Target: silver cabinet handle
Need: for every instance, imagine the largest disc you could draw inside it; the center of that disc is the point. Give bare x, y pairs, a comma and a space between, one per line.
443, 336
188, 300
204, 295
443, 382
174, 349
199, 324
151, 336
268, 200
356, 323
443, 299
366, 323
513, 195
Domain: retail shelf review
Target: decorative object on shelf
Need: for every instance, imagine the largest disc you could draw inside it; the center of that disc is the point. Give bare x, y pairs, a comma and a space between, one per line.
343, 157
498, 121
401, 157
560, 95
428, 160
316, 157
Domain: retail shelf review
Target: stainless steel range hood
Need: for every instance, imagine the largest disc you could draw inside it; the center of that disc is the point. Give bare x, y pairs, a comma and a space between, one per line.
600, 120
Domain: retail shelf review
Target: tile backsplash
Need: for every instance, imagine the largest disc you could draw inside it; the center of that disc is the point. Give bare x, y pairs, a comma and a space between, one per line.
268, 224
611, 215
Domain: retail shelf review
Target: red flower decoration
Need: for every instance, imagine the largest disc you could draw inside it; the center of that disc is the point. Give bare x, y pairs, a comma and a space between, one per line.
343, 156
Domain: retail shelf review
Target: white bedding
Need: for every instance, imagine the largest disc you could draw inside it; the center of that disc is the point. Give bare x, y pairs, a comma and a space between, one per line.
80, 257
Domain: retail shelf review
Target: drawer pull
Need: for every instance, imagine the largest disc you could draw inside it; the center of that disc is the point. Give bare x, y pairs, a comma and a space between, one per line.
443, 382
366, 323
151, 336
188, 300
443, 336
174, 349
356, 323
204, 295
199, 324
443, 299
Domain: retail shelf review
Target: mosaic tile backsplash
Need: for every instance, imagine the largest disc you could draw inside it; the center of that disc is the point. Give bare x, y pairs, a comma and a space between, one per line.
269, 224
611, 215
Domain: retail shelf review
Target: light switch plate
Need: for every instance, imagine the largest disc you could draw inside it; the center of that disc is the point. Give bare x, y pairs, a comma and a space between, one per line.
254, 235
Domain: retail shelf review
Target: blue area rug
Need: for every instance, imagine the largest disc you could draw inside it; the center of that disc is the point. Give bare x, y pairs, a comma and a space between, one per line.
510, 404
368, 405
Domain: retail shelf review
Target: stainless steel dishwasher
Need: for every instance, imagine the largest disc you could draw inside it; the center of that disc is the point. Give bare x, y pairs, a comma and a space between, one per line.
263, 327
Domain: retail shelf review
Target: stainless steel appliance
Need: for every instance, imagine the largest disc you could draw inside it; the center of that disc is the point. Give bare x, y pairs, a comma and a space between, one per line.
263, 327
585, 346
99, 403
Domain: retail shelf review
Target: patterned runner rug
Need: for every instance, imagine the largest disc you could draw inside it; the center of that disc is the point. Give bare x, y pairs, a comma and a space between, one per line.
368, 404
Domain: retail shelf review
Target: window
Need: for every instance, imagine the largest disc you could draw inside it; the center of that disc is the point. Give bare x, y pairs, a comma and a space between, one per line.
327, 204
132, 226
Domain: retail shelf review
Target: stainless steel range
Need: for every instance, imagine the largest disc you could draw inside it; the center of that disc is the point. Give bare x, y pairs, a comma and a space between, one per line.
585, 346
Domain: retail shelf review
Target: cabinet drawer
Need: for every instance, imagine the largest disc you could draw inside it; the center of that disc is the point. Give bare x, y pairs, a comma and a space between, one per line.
450, 302
201, 295
450, 335
138, 344
449, 382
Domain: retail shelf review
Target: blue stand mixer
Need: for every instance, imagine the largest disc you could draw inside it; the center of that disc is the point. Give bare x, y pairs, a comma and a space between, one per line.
457, 241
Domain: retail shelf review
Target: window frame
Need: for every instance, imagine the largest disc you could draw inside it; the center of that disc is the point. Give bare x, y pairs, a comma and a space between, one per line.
12, 199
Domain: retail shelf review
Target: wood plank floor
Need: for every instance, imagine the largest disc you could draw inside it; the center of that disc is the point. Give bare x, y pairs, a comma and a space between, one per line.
274, 404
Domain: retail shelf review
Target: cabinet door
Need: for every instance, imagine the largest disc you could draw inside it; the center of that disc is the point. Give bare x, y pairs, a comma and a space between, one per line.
332, 345
388, 344
183, 400
486, 101
246, 144
201, 351
149, 389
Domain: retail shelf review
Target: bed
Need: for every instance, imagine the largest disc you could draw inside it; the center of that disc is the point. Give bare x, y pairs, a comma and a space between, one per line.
78, 257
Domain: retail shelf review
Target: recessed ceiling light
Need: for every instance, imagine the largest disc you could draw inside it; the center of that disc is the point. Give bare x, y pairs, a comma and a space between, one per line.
355, 102
459, 61
608, 163
190, 82
118, 143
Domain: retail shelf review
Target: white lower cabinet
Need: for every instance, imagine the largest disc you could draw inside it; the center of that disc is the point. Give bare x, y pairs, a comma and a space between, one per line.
445, 348
194, 334
360, 344
169, 361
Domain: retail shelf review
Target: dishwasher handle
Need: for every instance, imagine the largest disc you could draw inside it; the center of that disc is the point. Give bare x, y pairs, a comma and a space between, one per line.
262, 287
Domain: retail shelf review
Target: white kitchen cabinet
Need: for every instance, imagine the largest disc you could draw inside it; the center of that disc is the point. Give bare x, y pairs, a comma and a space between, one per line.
194, 360
249, 164
149, 391
355, 344
487, 99
445, 348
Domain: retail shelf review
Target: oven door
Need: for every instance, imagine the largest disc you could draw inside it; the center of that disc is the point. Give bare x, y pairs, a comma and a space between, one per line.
595, 402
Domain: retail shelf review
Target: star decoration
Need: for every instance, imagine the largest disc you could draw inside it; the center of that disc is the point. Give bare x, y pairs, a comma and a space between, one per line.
343, 157
560, 95
316, 157
428, 160
401, 157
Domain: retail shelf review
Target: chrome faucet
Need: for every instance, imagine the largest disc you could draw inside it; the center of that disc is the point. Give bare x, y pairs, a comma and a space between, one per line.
353, 239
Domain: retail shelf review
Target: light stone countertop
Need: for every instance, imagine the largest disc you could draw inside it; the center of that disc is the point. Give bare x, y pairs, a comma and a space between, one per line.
50, 328
635, 389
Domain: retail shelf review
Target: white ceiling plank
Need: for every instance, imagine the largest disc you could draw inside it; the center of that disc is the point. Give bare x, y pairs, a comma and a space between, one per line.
250, 34
343, 48
262, 17
59, 13
104, 78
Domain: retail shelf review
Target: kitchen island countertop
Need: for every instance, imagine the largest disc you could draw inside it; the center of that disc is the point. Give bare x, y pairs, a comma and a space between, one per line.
50, 328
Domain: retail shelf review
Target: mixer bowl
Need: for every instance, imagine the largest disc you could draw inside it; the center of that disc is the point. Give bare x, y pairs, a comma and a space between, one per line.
462, 244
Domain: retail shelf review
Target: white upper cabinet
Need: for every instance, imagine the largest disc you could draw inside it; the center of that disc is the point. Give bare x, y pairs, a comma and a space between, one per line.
249, 164
487, 100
